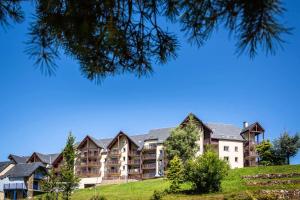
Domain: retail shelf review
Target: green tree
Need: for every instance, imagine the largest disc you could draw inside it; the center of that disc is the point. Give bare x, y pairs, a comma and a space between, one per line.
51, 186
287, 146
182, 141
265, 151
109, 37
175, 173
206, 172
69, 181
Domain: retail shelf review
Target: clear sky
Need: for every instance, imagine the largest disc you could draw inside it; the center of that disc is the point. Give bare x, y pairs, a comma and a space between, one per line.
37, 112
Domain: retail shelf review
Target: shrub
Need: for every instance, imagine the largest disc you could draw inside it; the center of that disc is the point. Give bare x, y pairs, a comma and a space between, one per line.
157, 195
97, 197
206, 172
175, 174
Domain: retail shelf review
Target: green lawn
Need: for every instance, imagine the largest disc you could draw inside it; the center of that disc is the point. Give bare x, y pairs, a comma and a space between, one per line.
144, 189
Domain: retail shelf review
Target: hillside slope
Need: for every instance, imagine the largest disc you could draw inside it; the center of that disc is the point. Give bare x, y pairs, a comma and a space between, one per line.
234, 183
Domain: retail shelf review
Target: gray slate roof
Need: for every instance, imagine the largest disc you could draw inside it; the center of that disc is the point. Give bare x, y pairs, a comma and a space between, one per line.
19, 159
220, 131
225, 131
4, 164
47, 158
23, 170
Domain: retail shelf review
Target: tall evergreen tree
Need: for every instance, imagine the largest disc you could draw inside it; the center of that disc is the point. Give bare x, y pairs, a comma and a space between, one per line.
51, 186
109, 37
287, 146
69, 181
175, 173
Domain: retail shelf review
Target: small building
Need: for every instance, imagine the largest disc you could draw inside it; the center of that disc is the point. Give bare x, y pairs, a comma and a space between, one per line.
22, 181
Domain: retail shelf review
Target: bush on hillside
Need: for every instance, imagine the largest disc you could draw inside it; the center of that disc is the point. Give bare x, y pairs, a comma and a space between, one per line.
206, 172
157, 195
175, 174
97, 197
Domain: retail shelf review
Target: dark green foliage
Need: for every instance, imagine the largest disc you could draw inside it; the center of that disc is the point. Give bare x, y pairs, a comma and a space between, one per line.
10, 10
206, 172
175, 174
51, 186
97, 197
182, 141
157, 195
109, 37
69, 181
286, 146
266, 153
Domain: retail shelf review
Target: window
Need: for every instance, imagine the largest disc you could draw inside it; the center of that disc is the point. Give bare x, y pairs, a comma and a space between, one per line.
236, 149
124, 149
161, 151
236, 159
226, 148
226, 158
123, 158
123, 167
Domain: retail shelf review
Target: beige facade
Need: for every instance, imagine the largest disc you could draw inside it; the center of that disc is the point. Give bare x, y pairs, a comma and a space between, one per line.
128, 158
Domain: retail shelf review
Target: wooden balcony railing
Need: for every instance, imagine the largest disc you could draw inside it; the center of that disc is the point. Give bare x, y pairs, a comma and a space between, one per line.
113, 171
114, 152
134, 171
148, 175
133, 153
149, 156
134, 162
150, 147
89, 164
149, 166
113, 162
87, 174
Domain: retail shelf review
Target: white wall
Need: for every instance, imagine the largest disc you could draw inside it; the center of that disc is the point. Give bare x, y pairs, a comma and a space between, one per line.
231, 153
92, 180
159, 162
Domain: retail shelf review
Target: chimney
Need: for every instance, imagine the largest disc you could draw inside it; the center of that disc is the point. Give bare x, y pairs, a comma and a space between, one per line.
245, 124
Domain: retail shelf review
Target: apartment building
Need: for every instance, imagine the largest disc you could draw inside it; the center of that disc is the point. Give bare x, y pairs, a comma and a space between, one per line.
135, 157
127, 157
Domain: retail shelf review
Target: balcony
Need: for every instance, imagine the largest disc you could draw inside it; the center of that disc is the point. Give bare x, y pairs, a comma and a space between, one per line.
150, 148
133, 153
149, 157
114, 153
90, 164
251, 154
114, 172
134, 171
14, 186
148, 175
113, 162
87, 174
149, 166
134, 162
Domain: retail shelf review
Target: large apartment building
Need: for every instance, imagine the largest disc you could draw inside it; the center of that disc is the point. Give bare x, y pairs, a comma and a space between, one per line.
134, 157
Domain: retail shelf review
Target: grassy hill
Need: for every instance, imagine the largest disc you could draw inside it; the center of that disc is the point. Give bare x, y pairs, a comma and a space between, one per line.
233, 184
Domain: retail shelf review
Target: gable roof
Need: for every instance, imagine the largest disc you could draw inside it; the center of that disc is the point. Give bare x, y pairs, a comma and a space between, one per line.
121, 133
45, 158
252, 126
88, 137
4, 165
225, 131
23, 170
18, 159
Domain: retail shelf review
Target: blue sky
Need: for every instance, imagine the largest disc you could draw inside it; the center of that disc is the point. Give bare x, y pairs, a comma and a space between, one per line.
37, 112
